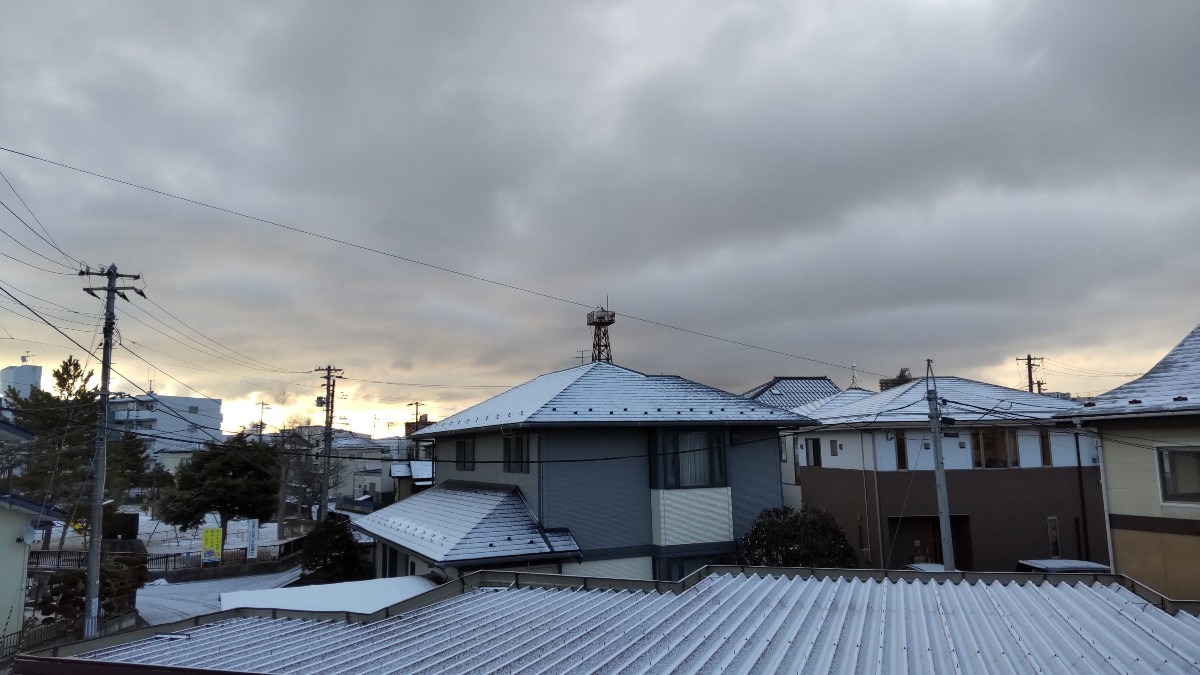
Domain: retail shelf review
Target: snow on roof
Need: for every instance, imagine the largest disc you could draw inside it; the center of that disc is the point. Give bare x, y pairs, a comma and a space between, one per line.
724, 623
401, 470
1172, 385
360, 597
791, 392
422, 471
459, 521
601, 393
965, 400
1053, 565
815, 408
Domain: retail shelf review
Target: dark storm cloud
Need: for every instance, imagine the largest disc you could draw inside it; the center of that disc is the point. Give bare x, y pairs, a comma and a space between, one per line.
874, 183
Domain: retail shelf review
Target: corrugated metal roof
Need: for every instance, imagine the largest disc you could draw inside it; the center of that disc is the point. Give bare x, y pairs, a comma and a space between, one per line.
601, 393
792, 392
966, 400
725, 623
460, 521
1172, 385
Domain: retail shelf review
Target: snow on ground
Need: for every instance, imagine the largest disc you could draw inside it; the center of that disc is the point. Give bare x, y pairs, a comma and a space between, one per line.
362, 597
163, 538
164, 603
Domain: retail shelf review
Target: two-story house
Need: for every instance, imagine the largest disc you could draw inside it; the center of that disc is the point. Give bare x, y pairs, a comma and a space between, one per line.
1021, 484
1150, 430
620, 474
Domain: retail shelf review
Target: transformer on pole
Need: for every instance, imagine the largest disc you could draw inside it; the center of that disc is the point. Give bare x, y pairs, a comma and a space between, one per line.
601, 319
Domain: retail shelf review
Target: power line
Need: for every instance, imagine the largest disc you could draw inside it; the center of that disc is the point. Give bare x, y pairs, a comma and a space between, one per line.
440, 268
51, 241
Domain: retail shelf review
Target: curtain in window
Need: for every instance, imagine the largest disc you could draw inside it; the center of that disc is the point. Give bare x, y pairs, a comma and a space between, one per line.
695, 464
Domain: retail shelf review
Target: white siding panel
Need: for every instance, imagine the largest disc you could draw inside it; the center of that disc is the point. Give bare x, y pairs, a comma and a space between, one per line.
694, 516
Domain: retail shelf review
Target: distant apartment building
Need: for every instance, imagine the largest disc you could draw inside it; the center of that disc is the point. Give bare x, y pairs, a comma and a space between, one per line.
24, 378
173, 427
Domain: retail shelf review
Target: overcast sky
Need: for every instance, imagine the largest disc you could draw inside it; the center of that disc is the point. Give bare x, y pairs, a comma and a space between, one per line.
849, 182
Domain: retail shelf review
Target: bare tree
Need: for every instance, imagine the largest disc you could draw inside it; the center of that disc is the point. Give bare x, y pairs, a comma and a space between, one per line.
300, 448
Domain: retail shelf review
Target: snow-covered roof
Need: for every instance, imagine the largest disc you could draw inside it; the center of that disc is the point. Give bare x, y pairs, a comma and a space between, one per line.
460, 521
1171, 386
967, 401
602, 393
730, 623
792, 392
1058, 565
814, 409
360, 597
401, 470
422, 471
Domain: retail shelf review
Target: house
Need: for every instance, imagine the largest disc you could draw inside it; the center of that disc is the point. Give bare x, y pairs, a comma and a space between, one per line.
724, 619
19, 520
172, 427
1021, 484
1150, 433
652, 476
792, 392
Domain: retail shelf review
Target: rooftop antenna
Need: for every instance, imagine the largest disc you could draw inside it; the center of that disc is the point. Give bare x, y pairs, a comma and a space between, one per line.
601, 318
26, 357
853, 375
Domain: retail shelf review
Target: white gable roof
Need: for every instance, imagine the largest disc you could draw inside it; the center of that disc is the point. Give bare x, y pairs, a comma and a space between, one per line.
601, 393
459, 521
1172, 385
966, 400
814, 409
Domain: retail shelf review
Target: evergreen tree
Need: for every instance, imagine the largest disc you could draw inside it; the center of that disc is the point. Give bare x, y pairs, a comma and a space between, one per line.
235, 479
331, 554
785, 537
125, 466
56, 465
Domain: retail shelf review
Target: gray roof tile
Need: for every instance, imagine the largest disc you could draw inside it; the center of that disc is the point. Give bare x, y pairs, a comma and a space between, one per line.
1171, 386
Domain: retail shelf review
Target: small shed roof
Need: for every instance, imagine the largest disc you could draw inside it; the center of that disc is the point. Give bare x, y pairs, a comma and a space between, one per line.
601, 393
1171, 386
458, 522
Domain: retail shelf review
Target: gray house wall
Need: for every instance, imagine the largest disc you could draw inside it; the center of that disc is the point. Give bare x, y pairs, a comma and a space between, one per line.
754, 475
606, 504
489, 465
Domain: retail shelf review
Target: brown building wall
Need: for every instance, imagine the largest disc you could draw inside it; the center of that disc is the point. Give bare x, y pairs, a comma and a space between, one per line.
999, 515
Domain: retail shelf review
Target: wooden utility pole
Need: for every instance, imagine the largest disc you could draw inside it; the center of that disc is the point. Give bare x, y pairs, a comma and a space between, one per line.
1029, 359
91, 604
939, 468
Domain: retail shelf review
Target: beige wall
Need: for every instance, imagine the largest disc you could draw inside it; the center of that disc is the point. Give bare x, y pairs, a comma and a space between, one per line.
13, 560
691, 516
620, 568
1165, 562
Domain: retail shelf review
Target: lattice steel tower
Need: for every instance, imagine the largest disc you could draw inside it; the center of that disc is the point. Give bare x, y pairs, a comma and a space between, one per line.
601, 318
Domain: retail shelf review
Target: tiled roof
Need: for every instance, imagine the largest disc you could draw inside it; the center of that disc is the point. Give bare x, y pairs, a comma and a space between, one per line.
601, 393
814, 409
967, 401
1172, 385
725, 623
792, 392
459, 521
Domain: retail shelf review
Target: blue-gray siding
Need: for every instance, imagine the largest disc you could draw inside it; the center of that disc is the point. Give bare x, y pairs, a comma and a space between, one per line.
753, 465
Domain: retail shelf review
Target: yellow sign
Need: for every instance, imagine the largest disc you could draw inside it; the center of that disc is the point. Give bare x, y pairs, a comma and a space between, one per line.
210, 544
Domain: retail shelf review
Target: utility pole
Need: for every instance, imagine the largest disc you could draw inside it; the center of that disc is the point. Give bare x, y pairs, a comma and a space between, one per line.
262, 405
327, 401
91, 605
416, 412
939, 468
1029, 359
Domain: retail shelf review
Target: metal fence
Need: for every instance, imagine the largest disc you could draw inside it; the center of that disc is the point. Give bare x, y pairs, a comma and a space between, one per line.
167, 562
33, 637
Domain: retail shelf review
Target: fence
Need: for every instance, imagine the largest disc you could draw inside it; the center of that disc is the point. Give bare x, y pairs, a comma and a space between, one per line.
35, 636
167, 562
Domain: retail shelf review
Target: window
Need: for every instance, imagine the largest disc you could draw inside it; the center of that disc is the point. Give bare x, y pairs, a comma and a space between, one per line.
901, 451
516, 454
464, 454
1044, 438
1052, 532
690, 459
193, 409
1179, 473
813, 451
994, 448
833, 447
785, 442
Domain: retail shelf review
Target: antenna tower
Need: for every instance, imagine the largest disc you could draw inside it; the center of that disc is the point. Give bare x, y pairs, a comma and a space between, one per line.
601, 319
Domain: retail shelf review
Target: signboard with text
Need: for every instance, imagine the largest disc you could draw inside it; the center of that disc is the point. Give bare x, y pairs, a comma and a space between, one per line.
210, 544
252, 539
